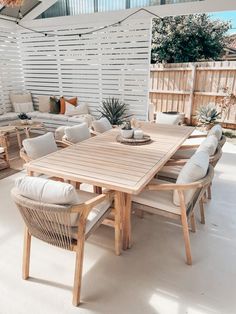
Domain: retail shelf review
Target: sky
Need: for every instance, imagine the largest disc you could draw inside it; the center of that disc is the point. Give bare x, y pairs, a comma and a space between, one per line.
227, 16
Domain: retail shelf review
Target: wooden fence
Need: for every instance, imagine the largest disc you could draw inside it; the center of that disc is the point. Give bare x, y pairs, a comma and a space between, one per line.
184, 87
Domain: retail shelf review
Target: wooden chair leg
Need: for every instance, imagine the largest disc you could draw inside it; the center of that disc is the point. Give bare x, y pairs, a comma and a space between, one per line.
26, 254
117, 231
97, 189
193, 222
202, 212
78, 272
209, 192
77, 185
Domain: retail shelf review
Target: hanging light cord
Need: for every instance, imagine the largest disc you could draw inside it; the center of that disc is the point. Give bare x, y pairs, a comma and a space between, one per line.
19, 17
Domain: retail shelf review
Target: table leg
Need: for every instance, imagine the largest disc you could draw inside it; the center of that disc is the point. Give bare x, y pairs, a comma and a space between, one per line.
123, 204
27, 132
18, 139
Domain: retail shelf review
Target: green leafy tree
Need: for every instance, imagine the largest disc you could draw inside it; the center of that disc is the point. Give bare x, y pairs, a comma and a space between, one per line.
188, 38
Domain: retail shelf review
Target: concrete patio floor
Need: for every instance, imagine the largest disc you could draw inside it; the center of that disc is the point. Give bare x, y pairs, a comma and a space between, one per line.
151, 277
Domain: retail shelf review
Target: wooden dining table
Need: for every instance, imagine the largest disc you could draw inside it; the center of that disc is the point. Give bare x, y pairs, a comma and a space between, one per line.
102, 161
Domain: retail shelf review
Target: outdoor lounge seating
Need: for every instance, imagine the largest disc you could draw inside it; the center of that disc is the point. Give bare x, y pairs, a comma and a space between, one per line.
58, 215
178, 200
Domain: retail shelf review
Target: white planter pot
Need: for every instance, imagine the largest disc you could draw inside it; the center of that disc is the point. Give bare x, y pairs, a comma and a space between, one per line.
127, 133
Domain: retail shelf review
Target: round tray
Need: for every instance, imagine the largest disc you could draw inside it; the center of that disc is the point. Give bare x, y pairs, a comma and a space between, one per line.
132, 141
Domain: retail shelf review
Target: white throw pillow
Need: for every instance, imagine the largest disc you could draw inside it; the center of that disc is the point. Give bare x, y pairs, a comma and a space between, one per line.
76, 111
77, 133
165, 118
40, 146
209, 145
46, 191
195, 169
102, 125
20, 97
217, 131
23, 107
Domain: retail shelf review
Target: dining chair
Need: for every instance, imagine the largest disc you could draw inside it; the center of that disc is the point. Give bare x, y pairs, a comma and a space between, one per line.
197, 137
76, 134
55, 213
172, 168
4, 152
168, 118
102, 125
179, 200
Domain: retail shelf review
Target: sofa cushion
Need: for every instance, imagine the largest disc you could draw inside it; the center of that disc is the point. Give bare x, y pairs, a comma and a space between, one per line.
23, 107
20, 97
102, 125
217, 131
44, 103
194, 170
40, 146
72, 101
9, 116
165, 118
77, 133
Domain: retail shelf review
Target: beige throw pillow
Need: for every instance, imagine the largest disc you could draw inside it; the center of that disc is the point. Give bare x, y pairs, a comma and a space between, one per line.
194, 170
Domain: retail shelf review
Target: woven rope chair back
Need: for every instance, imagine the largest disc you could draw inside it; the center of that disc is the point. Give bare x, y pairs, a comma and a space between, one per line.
47, 222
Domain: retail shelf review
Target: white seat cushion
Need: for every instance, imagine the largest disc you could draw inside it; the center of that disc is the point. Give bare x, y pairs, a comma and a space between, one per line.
194, 170
102, 125
1, 150
8, 116
165, 118
40, 146
77, 133
217, 131
162, 200
59, 193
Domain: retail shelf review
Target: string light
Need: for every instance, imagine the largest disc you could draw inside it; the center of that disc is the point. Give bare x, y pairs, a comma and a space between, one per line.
20, 16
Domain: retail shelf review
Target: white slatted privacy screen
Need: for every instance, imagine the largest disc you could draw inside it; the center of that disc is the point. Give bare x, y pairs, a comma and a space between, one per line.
110, 63
11, 75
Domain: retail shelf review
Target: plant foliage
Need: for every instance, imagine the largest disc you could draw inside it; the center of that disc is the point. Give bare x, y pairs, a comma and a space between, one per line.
188, 38
114, 110
207, 114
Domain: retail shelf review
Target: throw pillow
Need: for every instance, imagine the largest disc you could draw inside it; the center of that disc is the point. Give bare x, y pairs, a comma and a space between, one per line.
20, 97
54, 105
72, 101
44, 103
195, 169
77, 133
40, 146
23, 107
72, 110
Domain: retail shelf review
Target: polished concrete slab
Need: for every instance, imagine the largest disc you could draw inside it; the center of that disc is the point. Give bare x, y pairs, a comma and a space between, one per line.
151, 277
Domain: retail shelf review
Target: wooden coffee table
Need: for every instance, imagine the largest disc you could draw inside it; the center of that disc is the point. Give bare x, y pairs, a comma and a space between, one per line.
18, 126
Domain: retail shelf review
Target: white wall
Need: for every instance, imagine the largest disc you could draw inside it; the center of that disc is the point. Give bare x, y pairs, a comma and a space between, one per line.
114, 62
11, 75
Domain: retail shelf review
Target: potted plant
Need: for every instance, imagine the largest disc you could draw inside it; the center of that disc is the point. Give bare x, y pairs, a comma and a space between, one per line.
114, 110
207, 116
24, 118
127, 131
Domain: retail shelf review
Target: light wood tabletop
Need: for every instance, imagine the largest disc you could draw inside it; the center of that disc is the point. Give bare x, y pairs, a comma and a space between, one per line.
102, 161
